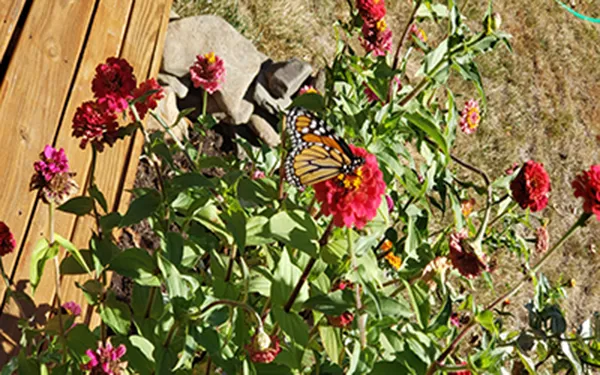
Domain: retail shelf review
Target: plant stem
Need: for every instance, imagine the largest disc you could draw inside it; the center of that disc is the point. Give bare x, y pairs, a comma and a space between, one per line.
171, 333
150, 303
61, 328
361, 317
232, 303
511, 292
307, 269
92, 182
232, 256
282, 162
204, 103
180, 145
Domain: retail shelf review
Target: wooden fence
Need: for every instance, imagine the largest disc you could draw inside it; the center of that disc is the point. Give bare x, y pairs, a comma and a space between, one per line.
48, 52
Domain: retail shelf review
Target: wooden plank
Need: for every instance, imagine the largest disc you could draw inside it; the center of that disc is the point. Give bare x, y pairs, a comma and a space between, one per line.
32, 97
10, 10
145, 27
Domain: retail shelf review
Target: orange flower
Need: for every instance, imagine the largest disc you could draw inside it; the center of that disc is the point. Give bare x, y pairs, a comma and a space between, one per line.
386, 245
394, 260
466, 206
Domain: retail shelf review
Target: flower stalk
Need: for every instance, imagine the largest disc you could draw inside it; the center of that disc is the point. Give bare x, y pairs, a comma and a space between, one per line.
61, 328
362, 318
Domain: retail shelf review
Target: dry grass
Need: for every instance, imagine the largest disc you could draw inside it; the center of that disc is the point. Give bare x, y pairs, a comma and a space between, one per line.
543, 102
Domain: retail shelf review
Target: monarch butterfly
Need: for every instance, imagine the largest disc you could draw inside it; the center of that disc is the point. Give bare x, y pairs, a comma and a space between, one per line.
317, 154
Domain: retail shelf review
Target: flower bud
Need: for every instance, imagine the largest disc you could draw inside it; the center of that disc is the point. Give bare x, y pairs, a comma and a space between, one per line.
262, 341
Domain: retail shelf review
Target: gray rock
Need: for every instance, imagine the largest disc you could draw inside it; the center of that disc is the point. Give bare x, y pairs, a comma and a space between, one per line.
287, 77
180, 89
174, 16
264, 130
261, 96
188, 37
320, 81
167, 109
241, 115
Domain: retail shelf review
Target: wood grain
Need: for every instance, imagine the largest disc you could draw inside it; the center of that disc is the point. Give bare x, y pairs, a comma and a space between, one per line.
10, 10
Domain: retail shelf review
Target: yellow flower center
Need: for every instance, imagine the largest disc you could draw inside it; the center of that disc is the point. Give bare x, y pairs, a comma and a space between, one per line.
311, 90
473, 118
381, 25
351, 181
211, 58
423, 35
376, 2
394, 260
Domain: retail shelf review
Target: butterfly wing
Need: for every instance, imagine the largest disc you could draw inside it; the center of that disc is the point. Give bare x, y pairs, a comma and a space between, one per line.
318, 154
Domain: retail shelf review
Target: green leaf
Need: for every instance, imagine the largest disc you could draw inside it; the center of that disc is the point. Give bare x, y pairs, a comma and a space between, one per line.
174, 281
72, 250
70, 266
293, 325
42, 252
257, 231
79, 339
284, 280
420, 303
330, 304
486, 319
235, 222
332, 343
98, 196
141, 208
192, 180
527, 362
567, 349
138, 265
110, 221
78, 206
257, 193
92, 290
297, 229
116, 314
429, 128
311, 101
174, 247
209, 217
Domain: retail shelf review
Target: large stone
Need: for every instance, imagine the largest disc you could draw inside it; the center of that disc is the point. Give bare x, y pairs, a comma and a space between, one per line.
241, 115
178, 87
167, 109
320, 80
287, 77
264, 130
261, 96
188, 37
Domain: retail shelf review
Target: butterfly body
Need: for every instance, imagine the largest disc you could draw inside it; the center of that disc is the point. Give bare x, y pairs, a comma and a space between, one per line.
317, 154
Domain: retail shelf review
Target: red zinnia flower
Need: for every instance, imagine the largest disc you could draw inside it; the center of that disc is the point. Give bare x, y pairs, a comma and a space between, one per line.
531, 186
353, 199
52, 162
106, 360
587, 186
376, 38
464, 257
371, 9
151, 101
208, 72
114, 83
470, 118
95, 123
264, 348
7, 240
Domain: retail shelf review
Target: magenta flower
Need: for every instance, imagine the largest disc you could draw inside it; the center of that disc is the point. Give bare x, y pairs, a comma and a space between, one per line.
390, 203
208, 72
470, 118
308, 89
72, 308
257, 175
114, 83
106, 360
52, 162
376, 37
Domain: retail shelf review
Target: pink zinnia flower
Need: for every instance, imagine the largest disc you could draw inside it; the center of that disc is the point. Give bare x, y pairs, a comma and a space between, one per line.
464, 257
390, 203
7, 240
264, 348
376, 38
455, 320
353, 199
114, 83
257, 175
151, 101
94, 122
418, 33
208, 72
372, 10
470, 118
72, 308
531, 187
308, 89
106, 360
587, 186
52, 161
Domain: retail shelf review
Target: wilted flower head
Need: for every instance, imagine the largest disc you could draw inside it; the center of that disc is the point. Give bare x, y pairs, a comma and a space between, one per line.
7, 240
114, 83
587, 186
418, 33
208, 72
394, 260
353, 199
464, 257
263, 348
376, 37
94, 122
541, 239
470, 117
308, 89
72, 308
106, 360
371, 10
466, 206
52, 161
52, 177
151, 101
531, 187
509, 171
438, 266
